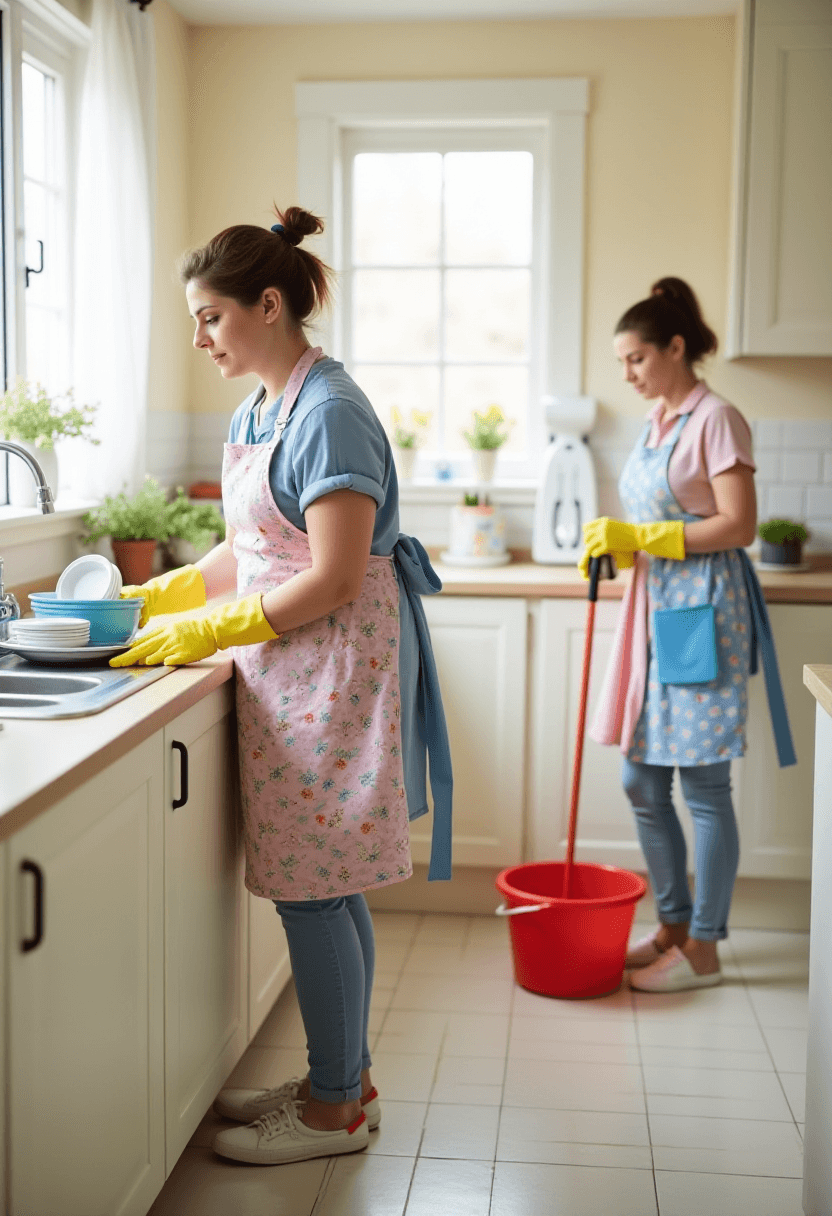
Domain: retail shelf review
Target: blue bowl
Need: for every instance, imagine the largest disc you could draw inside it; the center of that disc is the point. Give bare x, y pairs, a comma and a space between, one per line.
112, 622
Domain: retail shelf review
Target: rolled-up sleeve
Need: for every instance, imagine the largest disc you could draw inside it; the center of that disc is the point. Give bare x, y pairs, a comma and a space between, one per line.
338, 446
726, 441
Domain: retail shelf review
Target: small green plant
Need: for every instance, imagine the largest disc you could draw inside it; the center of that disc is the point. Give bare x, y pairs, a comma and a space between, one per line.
194, 522
471, 500
405, 436
485, 434
776, 531
29, 414
143, 517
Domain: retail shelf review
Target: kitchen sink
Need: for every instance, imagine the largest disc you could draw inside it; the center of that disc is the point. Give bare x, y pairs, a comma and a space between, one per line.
27, 691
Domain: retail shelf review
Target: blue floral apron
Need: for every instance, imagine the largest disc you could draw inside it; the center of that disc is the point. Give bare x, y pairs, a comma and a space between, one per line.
699, 723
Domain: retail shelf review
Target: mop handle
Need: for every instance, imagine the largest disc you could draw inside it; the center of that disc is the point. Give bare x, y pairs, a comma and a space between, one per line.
594, 574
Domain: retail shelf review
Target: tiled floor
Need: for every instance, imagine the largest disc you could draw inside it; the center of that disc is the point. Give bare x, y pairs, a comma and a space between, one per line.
497, 1102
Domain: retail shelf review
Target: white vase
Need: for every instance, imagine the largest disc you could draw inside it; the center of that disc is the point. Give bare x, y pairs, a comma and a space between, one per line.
22, 484
485, 460
405, 463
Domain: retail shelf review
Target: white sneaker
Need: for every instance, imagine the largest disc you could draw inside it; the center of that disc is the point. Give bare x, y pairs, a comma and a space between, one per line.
671, 973
644, 951
246, 1105
280, 1137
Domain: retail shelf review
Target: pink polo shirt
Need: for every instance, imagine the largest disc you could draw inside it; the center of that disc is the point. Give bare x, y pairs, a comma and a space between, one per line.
713, 440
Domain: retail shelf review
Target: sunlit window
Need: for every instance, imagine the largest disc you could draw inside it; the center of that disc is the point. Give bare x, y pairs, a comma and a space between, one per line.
439, 254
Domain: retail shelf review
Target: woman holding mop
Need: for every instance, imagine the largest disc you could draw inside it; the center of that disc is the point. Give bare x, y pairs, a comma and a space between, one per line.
675, 693
337, 694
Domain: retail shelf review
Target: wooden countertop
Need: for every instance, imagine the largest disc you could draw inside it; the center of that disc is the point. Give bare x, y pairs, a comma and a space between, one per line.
818, 679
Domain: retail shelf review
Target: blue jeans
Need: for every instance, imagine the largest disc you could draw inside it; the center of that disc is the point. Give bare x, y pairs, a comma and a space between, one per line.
707, 790
332, 949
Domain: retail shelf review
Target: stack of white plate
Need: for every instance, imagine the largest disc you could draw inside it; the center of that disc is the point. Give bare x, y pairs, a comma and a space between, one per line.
91, 577
52, 633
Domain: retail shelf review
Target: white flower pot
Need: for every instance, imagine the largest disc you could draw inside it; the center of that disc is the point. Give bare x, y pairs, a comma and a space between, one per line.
22, 484
405, 463
485, 460
183, 553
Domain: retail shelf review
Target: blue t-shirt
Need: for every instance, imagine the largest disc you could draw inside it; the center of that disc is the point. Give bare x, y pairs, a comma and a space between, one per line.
334, 441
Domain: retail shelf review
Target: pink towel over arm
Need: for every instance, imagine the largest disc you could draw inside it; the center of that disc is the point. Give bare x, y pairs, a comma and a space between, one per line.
622, 695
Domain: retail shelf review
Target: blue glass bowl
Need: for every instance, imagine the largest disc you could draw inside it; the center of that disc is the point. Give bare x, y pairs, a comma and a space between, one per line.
111, 621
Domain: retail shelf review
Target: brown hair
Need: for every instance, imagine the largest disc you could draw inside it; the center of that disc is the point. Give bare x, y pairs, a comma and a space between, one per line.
670, 309
241, 262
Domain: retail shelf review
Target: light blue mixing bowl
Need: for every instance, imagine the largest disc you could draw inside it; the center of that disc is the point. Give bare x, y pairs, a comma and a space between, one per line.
111, 621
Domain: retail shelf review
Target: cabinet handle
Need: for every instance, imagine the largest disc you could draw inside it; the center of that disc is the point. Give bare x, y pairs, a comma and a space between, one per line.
183, 775
31, 943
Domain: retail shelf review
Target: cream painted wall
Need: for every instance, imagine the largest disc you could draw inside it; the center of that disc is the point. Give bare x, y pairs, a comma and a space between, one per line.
658, 173
170, 333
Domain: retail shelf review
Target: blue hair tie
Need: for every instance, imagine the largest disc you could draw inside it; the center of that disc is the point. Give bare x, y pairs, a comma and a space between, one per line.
278, 228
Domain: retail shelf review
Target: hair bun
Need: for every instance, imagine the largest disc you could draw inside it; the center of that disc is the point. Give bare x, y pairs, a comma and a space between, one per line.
295, 224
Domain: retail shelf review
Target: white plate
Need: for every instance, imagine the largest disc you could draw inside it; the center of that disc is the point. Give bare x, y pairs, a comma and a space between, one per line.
63, 655
54, 624
496, 559
91, 577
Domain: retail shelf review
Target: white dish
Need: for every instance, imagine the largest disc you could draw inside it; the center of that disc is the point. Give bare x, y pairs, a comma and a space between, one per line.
496, 559
53, 624
91, 577
776, 568
63, 655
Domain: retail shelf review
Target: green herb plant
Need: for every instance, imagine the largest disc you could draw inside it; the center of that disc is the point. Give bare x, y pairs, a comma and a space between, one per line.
30, 415
194, 522
409, 435
776, 531
471, 500
485, 435
143, 517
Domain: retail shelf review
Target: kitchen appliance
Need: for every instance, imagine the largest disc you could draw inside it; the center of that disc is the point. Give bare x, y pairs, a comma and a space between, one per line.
567, 495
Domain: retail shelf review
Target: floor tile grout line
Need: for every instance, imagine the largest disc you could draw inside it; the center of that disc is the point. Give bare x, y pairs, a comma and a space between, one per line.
644, 1096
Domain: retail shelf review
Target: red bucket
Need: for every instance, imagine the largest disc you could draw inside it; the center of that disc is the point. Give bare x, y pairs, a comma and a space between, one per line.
575, 947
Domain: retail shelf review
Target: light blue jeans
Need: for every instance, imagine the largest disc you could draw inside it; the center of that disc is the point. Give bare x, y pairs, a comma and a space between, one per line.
707, 790
332, 948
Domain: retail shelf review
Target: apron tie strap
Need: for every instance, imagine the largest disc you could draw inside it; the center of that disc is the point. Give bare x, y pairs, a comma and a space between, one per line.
761, 635
419, 578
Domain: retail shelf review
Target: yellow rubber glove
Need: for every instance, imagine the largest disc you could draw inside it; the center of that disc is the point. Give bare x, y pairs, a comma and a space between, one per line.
181, 590
665, 538
237, 624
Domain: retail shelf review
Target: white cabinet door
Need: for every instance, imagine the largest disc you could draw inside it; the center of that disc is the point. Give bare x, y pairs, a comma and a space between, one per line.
480, 649
782, 297
206, 1013
85, 1058
269, 967
606, 833
774, 805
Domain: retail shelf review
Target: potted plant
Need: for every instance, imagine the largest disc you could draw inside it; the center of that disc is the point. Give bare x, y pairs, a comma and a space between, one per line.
782, 541
193, 527
134, 526
406, 439
30, 417
485, 439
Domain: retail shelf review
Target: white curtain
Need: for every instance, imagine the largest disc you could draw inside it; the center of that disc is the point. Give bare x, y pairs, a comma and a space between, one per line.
113, 262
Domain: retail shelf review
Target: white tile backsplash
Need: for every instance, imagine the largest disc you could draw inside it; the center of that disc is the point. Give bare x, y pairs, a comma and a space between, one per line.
793, 477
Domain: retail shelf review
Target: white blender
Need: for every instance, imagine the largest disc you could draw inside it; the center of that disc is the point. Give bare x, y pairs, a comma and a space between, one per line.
567, 496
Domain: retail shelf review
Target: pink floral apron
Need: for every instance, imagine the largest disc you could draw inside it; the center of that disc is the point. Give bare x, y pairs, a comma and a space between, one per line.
318, 709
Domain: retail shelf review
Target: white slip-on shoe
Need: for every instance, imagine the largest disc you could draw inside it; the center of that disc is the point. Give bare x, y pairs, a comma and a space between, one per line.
280, 1137
644, 951
246, 1105
671, 973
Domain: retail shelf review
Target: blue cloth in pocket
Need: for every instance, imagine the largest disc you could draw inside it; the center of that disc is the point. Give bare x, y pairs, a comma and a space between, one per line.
685, 640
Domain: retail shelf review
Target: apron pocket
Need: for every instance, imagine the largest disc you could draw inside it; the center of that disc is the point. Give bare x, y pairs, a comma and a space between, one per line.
685, 641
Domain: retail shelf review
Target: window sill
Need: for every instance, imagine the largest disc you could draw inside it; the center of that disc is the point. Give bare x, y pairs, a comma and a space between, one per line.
25, 524
507, 491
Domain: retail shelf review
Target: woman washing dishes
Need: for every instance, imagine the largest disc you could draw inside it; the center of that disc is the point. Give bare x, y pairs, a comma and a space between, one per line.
675, 693
337, 695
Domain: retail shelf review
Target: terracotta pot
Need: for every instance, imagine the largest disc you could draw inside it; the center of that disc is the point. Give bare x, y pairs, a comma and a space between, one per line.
134, 559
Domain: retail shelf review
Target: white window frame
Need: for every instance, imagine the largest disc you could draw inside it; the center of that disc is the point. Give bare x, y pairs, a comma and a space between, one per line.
555, 108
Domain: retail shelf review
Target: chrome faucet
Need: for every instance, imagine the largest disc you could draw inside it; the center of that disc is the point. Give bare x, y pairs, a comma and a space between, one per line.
9, 607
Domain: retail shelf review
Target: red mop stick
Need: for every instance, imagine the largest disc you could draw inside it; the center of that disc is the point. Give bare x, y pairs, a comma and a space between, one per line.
594, 573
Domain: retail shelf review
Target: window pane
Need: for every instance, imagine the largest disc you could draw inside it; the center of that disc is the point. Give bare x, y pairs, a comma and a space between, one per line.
405, 389
395, 314
42, 347
35, 205
487, 314
488, 207
476, 388
34, 122
396, 208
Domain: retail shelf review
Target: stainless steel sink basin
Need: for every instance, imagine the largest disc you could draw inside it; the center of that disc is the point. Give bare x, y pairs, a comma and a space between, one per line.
27, 691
